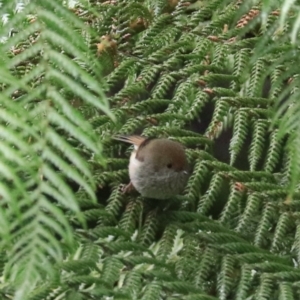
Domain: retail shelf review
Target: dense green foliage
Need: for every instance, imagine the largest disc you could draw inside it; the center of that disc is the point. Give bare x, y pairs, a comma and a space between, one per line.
209, 74
43, 138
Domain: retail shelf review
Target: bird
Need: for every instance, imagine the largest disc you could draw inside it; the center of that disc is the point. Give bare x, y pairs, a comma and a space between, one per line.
158, 167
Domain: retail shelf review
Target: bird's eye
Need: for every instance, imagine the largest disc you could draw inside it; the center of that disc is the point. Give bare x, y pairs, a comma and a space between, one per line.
169, 166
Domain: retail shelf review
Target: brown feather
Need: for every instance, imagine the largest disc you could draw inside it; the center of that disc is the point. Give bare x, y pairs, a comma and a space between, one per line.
131, 139
140, 152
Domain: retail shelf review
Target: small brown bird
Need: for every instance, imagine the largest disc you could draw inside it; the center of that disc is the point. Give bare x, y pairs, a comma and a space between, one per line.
158, 168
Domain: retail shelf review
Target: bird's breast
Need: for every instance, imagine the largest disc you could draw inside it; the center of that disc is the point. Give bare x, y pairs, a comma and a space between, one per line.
135, 166
153, 184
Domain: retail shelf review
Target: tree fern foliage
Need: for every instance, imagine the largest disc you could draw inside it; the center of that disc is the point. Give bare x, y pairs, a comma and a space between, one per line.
178, 69
46, 65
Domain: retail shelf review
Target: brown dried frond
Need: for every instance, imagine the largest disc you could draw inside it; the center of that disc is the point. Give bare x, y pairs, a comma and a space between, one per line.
245, 19
107, 44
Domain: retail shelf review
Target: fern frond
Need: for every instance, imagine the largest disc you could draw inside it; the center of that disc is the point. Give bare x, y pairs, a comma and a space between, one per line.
274, 151
232, 208
174, 69
257, 146
245, 282
152, 291
225, 280
41, 161
211, 194
239, 134
264, 225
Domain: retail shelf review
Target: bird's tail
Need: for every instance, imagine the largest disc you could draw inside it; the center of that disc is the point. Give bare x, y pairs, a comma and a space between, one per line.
131, 139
